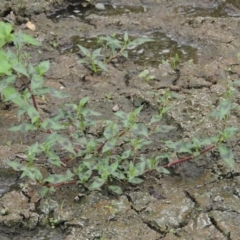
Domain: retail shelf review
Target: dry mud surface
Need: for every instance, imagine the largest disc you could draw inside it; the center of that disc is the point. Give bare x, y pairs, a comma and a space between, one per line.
201, 199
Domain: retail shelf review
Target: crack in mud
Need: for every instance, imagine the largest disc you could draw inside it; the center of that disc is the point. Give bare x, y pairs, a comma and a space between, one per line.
192, 198
164, 233
216, 225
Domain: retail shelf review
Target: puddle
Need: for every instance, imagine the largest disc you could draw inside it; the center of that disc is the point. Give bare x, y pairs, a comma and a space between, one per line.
148, 54
230, 8
81, 11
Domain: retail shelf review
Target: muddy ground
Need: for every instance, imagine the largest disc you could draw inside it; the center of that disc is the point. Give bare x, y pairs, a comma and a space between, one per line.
201, 197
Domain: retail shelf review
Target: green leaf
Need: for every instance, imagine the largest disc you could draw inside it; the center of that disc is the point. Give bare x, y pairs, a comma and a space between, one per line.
11, 94
5, 29
91, 145
88, 112
97, 52
223, 110
59, 178
111, 130
40, 90
15, 165
163, 128
162, 170
53, 158
132, 171
32, 173
85, 51
137, 111
135, 180
5, 33
45, 190
36, 82
96, 184
83, 61
138, 41
226, 155
229, 132
139, 143
121, 114
90, 162
156, 118
140, 167
151, 163
50, 124
5, 66
83, 101
125, 54
115, 189
43, 67
33, 114
140, 129
118, 175
179, 147
7, 81
113, 167
20, 68
64, 141
24, 127
30, 40
126, 154
84, 176
102, 65
33, 149
109, 145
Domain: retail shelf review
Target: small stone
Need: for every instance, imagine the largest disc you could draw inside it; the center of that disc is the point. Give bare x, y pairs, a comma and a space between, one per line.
100, 6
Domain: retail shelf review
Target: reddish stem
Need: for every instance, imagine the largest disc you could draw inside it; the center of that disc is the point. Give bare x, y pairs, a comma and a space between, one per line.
102, 145
188, 158
32, 95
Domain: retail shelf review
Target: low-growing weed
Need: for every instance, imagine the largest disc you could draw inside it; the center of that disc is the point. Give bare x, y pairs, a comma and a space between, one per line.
93, 59
110, 158
112, 45
145, 74
174, 61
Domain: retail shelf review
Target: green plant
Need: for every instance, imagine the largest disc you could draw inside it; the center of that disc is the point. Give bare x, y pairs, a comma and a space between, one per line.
110, 158
98, 61
53, 222
93, 59
145, 74
175, 61
120, 47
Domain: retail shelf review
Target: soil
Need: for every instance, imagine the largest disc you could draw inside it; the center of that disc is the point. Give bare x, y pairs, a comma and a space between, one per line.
201, 198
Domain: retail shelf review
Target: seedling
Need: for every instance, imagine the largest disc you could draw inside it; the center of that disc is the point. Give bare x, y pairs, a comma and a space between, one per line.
121, 47
97, 61
175, 61
94, 59
145, 74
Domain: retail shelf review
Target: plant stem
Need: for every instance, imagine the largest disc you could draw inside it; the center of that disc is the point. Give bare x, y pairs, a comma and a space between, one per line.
187, 158
32, 95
